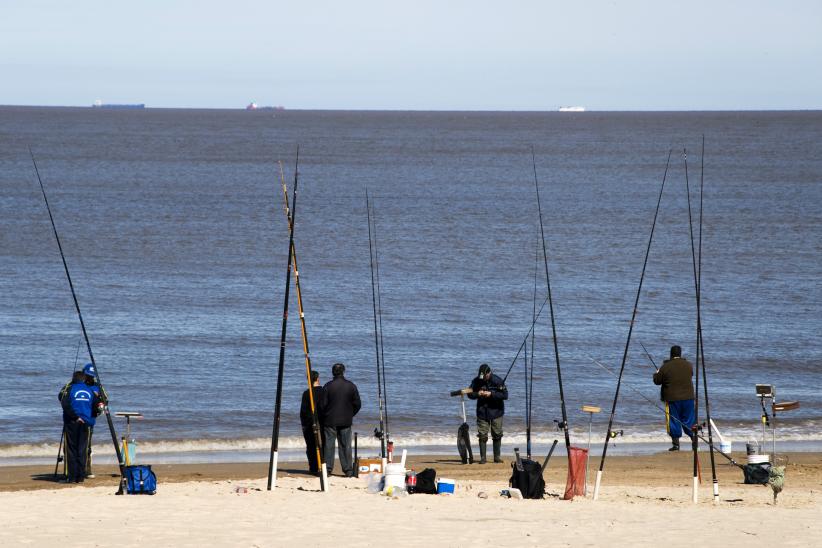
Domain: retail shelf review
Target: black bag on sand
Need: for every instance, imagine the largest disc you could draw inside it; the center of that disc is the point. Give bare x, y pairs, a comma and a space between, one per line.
756, 474
426, 482
528, 480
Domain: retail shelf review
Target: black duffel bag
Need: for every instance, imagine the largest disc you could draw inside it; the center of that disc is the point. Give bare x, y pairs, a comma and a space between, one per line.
528, 480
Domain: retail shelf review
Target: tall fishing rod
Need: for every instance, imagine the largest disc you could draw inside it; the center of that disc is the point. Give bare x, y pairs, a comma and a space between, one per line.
564, 424
694, 439
388, 443
527, 409
381, 433
630, 331
700, 338
315, 420
649, 400
275, 428
530, 383
103, 394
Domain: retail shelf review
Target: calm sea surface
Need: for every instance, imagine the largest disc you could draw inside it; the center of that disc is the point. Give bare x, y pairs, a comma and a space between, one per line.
174, 232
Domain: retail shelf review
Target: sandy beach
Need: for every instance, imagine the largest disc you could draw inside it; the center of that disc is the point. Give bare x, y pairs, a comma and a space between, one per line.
644, 501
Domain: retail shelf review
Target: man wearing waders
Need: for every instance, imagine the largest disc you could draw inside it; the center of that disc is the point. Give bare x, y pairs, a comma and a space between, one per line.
307, 421
342, 402
81, 403
490, 393
678, 394
91, 381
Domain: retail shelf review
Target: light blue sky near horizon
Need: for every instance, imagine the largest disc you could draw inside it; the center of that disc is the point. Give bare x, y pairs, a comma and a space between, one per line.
422, 55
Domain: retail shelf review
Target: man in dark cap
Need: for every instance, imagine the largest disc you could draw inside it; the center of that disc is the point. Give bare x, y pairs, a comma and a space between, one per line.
89, 377
490, 393
81, 404
342, 402
678, 394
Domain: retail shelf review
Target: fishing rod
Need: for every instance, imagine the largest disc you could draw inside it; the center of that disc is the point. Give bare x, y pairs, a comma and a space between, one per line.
315, 420
103, 394
388, 443
530, 383
694, 439
564, 424
275, 429
527, 410
649, 355
649, 400
381, 433
700, 338
630, 331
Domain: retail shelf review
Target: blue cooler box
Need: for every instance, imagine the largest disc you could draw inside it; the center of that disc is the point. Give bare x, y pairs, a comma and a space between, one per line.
445, 486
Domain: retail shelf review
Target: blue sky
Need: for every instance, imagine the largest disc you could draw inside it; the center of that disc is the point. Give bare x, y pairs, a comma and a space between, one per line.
421, 55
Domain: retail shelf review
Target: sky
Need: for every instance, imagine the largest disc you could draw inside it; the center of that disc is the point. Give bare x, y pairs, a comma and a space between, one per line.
414, 55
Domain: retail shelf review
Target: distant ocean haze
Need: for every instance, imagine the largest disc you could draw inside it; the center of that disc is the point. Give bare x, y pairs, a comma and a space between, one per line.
173, 227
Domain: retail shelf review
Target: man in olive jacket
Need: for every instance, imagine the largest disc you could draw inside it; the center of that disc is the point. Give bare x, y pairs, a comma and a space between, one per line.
342, 402
678, 394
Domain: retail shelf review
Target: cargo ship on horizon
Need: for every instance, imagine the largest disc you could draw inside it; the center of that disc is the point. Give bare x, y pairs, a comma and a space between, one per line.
571, 109
134, 106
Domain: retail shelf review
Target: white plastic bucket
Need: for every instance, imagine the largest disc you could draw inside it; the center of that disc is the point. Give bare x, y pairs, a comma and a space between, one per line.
394, 476
758, 459
725, 447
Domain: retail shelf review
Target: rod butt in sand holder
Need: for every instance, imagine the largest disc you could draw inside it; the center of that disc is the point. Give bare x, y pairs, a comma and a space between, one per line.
596, 484
696, 490
324, 473
274, 467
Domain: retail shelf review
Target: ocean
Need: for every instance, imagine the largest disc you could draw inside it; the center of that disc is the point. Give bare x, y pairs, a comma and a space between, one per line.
173, 228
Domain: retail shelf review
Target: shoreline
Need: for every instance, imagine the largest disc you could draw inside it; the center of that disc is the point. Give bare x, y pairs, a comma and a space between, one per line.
657, 470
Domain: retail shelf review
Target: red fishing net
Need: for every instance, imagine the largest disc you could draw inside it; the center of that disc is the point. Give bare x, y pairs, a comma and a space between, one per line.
575, 485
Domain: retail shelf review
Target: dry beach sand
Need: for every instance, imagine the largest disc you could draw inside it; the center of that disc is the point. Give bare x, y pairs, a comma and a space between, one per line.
644, 501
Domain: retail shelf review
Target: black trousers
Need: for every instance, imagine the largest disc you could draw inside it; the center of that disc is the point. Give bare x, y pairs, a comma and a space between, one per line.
311, 449
77, 438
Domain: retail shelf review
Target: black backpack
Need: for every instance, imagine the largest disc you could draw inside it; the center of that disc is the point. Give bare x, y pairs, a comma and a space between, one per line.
426, 482
756, 474
528, 480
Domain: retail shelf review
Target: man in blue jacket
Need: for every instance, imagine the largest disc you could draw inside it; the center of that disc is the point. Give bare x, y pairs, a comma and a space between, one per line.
91, 381
81, 404
490, 393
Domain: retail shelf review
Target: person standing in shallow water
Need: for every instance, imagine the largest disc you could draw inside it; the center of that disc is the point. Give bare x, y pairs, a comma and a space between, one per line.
342, 402
678, 394
490, 393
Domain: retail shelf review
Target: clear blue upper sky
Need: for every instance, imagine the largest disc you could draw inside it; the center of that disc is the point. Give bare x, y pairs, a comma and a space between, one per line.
437, 55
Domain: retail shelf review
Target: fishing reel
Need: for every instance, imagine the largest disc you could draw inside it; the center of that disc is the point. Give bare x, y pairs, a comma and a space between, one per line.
561, 425
378, 433
613, 434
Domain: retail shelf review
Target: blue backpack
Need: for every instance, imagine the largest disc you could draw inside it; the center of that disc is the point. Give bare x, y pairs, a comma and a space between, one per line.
140, 480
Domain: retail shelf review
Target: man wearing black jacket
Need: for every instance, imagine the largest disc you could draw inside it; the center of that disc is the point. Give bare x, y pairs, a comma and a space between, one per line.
307, 420
490, 393
342, 402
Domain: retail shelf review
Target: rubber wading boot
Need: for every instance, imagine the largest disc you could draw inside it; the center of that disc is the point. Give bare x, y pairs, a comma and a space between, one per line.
497, 448
482, 452
675, 446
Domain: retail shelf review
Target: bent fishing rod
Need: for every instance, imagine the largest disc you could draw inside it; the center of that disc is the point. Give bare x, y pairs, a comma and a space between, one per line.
388, 443
275, 428
648, 354
684, 426
103, 394
315, 420
382, 428
564, 424
630, 331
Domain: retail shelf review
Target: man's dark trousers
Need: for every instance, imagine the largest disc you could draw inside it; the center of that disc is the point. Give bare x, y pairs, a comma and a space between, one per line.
341, 434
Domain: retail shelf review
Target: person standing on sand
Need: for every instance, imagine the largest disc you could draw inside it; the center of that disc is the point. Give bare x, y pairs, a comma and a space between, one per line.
91, 381
81, 404
342, 402
490, 393
678, 394
307, 421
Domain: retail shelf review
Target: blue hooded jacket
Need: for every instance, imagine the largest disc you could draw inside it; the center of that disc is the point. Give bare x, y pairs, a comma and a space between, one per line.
80, 402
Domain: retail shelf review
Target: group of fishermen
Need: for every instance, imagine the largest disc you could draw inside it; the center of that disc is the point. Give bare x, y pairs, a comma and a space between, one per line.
338, 401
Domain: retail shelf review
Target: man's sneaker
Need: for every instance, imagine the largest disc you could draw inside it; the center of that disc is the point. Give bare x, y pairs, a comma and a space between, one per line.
90, 476
481, 461
498, 460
